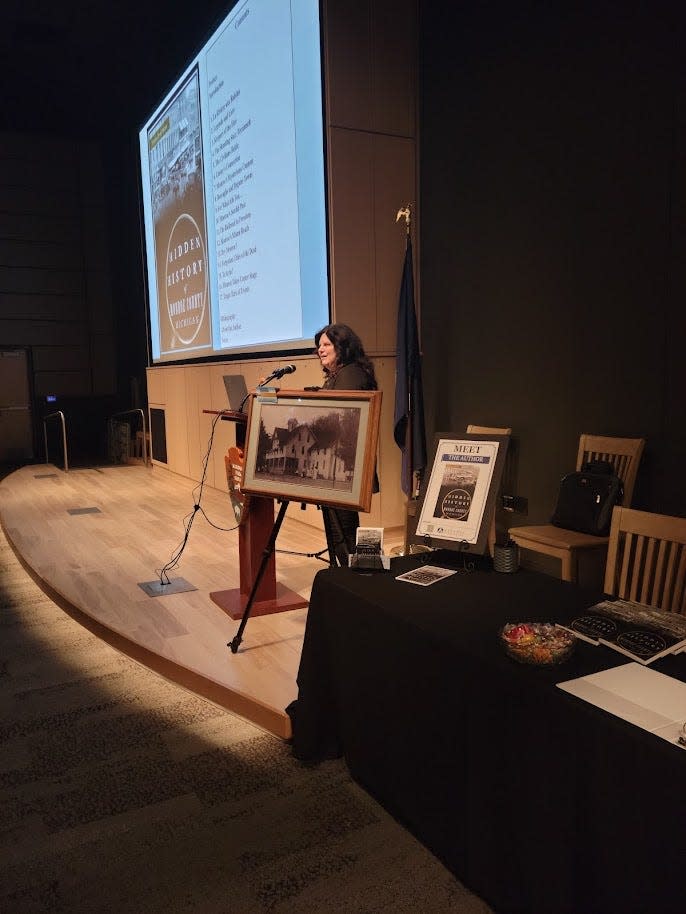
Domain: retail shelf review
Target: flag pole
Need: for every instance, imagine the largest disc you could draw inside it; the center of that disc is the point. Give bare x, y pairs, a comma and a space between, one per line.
406, 213
408, 416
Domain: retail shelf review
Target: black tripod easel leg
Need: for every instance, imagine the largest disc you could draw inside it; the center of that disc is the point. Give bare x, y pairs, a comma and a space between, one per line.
266, 555
335, 538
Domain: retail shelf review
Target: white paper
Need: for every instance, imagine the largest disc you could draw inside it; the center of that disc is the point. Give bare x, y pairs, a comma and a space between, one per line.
425, 575
650, 700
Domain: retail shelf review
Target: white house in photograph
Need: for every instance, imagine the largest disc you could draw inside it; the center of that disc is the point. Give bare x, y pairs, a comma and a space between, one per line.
294, 451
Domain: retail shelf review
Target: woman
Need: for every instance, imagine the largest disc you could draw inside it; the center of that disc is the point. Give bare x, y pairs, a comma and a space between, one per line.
343, 359
346, 367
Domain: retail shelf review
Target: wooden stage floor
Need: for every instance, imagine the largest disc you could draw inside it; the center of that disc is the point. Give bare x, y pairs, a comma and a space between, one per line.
92, 562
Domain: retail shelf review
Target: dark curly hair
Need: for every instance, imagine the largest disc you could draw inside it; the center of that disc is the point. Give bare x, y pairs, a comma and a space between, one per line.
349, 349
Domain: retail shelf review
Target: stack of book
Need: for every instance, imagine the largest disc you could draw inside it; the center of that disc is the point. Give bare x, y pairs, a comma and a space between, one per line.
641, 632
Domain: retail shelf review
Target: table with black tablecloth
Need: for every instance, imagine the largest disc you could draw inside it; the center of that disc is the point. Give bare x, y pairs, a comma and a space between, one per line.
538, 801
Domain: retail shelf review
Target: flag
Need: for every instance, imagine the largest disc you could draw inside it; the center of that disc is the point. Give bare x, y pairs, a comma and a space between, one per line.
408, 419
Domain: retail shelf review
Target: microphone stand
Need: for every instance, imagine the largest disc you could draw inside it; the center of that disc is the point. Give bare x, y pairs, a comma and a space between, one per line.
274, 374
278, 373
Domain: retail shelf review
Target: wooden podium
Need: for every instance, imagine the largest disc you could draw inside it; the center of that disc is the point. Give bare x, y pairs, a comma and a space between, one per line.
255, 526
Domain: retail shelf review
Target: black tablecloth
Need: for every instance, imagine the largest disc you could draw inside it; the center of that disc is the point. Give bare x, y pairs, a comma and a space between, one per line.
537, 800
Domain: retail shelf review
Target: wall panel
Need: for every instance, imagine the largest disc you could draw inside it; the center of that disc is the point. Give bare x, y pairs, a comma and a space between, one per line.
55, 282
353, 254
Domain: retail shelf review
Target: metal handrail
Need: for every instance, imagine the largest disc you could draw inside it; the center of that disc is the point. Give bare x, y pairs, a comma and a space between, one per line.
128, 412
59, 414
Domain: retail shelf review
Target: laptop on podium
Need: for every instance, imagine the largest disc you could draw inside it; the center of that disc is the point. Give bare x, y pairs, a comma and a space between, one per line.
236, 391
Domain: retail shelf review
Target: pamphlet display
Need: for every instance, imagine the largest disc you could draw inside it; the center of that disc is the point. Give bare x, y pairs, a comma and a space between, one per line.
368, 555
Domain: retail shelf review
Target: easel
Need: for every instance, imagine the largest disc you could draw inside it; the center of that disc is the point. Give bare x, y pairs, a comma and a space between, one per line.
335, 538
267, 557
259, 591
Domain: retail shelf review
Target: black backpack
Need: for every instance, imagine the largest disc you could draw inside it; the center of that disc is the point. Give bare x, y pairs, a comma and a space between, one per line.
586, 498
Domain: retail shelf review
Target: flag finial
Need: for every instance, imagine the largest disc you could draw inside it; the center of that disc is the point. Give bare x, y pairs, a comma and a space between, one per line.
407, 213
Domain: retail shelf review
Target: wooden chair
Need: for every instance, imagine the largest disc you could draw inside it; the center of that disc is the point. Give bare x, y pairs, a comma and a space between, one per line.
625, 455
489, 430
646, 559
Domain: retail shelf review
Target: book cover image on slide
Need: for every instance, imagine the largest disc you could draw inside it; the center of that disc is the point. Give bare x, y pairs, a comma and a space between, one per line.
180, 222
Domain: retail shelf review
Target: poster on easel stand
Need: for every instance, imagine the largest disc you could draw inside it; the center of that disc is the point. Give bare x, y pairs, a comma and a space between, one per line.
458, 498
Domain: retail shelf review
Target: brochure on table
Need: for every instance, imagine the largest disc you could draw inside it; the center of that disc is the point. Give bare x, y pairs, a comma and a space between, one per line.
426, 575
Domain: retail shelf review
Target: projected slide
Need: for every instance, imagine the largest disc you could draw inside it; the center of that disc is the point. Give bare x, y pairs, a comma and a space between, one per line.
232, 172
255, 187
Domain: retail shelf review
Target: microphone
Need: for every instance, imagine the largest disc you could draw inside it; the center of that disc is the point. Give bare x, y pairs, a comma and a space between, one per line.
280, 372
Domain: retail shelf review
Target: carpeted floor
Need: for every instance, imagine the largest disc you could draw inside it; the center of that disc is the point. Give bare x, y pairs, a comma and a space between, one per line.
120, 792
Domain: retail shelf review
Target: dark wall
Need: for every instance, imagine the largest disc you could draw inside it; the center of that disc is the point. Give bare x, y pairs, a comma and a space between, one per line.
71, 275
553, 215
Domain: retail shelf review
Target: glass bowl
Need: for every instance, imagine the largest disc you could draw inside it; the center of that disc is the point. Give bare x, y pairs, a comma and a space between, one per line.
537, 643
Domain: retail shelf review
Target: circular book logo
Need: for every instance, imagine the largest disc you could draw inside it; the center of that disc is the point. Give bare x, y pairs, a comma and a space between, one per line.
186, 279
456, 504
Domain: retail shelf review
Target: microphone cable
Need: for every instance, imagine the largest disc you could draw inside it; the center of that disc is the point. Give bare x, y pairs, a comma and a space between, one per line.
173, 562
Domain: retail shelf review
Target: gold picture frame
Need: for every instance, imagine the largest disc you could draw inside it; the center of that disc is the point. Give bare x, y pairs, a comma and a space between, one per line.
316, 447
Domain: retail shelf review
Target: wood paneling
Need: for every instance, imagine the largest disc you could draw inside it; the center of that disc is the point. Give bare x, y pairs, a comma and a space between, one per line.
394, 187
40, 255
394, 67
353, 256
38, 227
55, 284
62, 383
348, 58
59, 358
40, 332
371, 54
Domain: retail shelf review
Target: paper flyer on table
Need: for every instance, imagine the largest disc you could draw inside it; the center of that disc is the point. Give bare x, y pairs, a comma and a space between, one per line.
650, 700
458, 487
426, 575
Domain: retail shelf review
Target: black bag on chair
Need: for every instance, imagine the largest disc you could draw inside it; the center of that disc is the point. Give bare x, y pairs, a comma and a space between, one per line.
586, 498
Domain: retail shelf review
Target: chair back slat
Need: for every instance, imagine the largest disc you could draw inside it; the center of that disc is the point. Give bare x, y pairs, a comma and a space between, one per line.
629, 547
646, 561
661, 581
487, 430
679, 595
646, 574
670, 578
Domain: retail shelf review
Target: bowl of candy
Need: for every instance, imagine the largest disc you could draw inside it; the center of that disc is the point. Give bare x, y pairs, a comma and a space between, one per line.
538, 643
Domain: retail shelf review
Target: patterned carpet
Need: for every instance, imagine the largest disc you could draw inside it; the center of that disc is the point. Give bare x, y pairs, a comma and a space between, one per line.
120, 792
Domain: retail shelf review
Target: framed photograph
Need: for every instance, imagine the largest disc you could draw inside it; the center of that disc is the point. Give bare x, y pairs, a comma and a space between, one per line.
459, 496
317, 447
